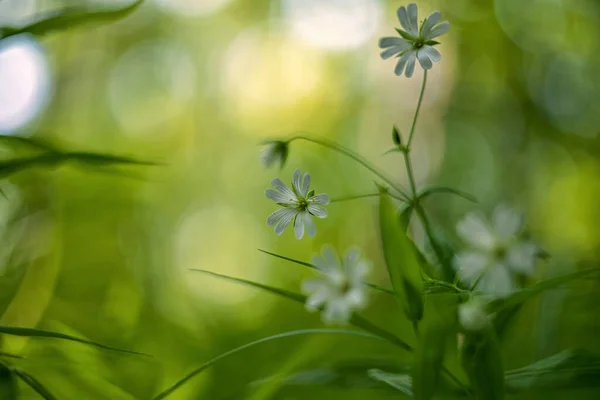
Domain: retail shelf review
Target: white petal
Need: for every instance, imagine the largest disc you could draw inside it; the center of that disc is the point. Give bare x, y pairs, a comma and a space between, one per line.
472, 316
357, 272
297, 182
402, 62
470, 265
429, 23
309, 224
318, 292
391, 41
331, 257
336, 312
497, 281
424, 59
299, 226
283, 188
356, 298
521, 257
305, 185
432, 53
506, 222
285, 221
474, 230
392, 51
319, 199
276, 216
269, 155
439, 30
317, 211
279, 197
410, 66
413, 18
403, 18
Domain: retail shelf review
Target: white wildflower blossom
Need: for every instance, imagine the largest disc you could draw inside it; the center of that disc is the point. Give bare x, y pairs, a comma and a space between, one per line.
497, 252
416, 42
299, 204
274, 152
473, 316
340, 290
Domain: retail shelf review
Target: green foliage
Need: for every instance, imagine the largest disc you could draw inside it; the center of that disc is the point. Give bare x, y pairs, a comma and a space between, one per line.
482, 361
34, 384
402, 264
402, 383
8, 384
69, 18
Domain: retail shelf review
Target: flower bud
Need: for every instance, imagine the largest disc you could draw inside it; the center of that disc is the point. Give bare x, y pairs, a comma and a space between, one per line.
472, 316
275, 151
396, 137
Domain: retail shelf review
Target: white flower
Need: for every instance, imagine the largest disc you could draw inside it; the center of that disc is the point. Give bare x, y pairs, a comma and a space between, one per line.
472, 316
496, 252
298, 204
415, 43
340, 289
274, 152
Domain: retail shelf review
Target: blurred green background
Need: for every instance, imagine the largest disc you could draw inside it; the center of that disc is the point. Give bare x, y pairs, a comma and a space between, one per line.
511, 115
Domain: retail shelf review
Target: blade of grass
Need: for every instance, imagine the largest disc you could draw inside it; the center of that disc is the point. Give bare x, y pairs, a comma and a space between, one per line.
34, 384
207, 364
371, 285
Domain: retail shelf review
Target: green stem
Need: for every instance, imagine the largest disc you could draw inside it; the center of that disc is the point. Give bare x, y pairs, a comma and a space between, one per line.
414, 124
362, 196
356, 157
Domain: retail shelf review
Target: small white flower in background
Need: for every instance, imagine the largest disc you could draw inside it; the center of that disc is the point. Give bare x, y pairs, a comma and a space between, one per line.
497, 252
299, 204
415, 43
274, 152
340, 289
472, 315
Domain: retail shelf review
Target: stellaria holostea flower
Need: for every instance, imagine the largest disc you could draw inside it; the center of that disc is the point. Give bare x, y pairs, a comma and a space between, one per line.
299, 204
339, 290
497, 252
473, 316
415, 43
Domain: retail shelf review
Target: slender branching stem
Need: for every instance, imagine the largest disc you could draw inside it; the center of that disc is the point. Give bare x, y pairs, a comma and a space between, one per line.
362, 196
414, 124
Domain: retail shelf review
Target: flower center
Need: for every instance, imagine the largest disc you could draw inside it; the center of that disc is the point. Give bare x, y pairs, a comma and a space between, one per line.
302, 204
500, 252
419, 43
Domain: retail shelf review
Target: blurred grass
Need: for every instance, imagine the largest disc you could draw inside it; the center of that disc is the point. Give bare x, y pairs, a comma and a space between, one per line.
106, 256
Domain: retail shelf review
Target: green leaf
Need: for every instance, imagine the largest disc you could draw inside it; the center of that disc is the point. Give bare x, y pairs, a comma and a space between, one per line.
68, 18
371, 285
209, 363
482, 361
356, 320
402, 264
405, 216
569, 369
31, 332
9, 389
34, 384
405, 35
435, 190
540, 287
437, 326
400, 382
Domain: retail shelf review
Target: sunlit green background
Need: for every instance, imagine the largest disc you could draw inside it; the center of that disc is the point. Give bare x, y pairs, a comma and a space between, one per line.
511, 115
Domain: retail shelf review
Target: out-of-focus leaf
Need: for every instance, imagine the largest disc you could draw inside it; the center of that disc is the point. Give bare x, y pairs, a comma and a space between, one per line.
503, 319
437, 326
69, 18
569, 369
96, 159
8, 384
355, 320
207, 364
400, 382
482, 362
371, 285
434, 190
34, 384
402, 264
31, 332
405, 216
525, 294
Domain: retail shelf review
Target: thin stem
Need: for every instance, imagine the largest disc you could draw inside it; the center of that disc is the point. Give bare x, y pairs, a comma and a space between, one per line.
414, 124
362, 196
356, 157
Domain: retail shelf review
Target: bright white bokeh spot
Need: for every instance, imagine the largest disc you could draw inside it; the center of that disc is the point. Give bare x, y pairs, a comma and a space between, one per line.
333, 24
151, 85
192, 8
24, 82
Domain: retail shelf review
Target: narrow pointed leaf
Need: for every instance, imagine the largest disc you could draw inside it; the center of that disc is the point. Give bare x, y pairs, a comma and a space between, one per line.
355, 320
207, 364
34, 384
400, 382
32, 332
540, 287
482, 361
402, 263
69, 18
9, 389
371, 285
434, 190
